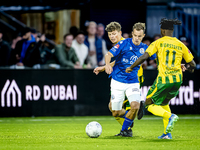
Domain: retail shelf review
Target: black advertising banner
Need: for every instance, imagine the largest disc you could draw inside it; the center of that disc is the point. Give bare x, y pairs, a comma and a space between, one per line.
77, 92
53, 93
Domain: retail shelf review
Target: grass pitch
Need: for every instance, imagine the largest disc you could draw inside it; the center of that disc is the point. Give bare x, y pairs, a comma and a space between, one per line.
63, 133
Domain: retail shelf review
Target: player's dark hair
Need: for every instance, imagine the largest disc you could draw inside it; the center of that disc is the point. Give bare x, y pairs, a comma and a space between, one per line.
168, 24
113, 26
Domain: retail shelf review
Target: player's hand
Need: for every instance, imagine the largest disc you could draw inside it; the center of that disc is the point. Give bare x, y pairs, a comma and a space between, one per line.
129, 70
98, 70
183, 67
108, 69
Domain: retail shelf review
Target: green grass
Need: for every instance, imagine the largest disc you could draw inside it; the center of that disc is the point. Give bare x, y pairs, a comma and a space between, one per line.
69, 133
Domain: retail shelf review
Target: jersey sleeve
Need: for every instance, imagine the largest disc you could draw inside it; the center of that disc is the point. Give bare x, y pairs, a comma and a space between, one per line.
187, 55
115, 50
153, 57
152, 49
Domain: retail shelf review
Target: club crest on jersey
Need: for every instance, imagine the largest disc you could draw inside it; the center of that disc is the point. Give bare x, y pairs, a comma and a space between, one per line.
142, 50
112, 97
116, 46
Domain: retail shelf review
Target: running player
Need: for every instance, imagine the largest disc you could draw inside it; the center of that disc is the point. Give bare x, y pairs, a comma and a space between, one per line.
125, 53
115, 35
170, 52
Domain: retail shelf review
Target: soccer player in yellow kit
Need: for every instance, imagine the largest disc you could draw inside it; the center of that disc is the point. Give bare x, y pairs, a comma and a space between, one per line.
170, 52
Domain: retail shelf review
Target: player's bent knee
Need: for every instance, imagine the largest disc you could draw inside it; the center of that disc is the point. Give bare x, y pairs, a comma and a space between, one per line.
134, 100
115, 113
148, 101
135, 105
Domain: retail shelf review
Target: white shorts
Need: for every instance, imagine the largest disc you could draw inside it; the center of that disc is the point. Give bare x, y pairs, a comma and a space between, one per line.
118, 91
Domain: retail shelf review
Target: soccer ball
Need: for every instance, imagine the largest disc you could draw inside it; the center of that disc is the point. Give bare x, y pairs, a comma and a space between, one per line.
93, 129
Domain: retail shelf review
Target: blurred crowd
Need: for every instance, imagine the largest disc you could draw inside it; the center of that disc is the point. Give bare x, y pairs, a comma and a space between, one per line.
80, 49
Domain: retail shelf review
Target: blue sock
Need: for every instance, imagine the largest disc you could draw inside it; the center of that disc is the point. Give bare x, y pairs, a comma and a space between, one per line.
127, 123
125, 114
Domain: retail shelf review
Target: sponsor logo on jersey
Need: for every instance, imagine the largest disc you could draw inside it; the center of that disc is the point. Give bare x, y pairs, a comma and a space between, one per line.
142, 50
116, 46
135, 90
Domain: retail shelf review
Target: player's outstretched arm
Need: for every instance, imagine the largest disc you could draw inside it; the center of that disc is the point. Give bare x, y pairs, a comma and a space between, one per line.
191, 66
108, 67
139, 61
102, 68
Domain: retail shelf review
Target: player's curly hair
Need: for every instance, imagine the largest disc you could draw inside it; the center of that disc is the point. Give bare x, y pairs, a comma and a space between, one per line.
113, 26
139, 26
168, 24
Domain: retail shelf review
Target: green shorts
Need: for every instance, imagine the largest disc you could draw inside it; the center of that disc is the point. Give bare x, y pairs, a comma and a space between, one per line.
161, 93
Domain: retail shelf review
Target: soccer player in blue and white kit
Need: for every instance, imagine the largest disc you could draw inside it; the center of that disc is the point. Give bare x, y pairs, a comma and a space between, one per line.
126, 52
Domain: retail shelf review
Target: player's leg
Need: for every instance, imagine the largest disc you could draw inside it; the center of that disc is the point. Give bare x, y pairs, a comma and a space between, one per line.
157, 110
161, 94
127, 107
119, 119
142, 105
117, 98
172, 93
165, 121
154, 99
156, 95
133, 94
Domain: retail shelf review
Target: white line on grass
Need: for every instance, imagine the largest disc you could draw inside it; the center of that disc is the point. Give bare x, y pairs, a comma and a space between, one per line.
80, 119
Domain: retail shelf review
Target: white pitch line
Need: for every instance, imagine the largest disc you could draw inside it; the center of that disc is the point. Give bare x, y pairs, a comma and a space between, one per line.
92, 118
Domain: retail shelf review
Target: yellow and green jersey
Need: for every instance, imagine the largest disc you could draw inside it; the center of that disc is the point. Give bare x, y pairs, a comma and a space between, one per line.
169, 51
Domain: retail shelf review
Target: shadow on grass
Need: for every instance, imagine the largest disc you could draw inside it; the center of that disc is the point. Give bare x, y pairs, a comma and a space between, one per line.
162, 140
142, 139
119, 137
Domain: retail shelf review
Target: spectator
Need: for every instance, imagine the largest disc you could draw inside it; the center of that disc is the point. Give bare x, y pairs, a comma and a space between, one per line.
106, 44
156, 36
125, 35
148, 64
73, 30
26, 52
184, 40
34, 33
66, 55
100, 30
94, 44
100, 34
5, 51
15, 40
80, 48
147, 40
